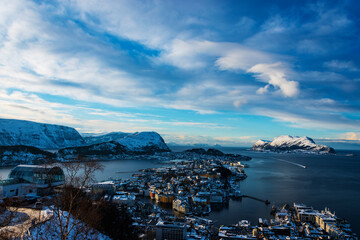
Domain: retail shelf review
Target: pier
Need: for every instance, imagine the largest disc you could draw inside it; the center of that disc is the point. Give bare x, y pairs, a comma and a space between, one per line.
267, 202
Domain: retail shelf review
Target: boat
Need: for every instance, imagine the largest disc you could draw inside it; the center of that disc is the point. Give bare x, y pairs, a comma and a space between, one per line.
351, 155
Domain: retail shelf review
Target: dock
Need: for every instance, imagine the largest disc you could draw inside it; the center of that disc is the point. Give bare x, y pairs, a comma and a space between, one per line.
267, 202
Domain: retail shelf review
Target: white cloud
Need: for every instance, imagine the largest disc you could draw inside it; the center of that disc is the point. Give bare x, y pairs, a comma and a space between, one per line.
195, 54
313, 120
274, 74
195, 124
189, 54
262, 90
204, 96
152, 23
18, 105
238, 57
341, 65
311, 46
190, 139
239, 103
351, 136
327, 20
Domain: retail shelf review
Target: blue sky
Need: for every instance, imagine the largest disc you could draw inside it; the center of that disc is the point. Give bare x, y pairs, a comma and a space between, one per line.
215, 72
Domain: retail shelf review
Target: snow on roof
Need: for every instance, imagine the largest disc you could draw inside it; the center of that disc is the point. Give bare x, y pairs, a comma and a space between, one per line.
106, 182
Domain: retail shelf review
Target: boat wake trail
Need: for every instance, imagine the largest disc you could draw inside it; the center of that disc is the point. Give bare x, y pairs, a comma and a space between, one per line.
296, 164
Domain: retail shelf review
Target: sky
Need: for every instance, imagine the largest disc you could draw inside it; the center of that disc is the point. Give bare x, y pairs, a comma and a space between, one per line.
211, 72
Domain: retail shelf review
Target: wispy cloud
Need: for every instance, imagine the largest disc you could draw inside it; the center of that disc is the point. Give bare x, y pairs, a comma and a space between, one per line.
341, 65
232, 57
311, 121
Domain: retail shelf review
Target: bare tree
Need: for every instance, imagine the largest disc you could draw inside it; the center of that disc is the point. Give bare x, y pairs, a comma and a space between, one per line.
68, 210
70, 205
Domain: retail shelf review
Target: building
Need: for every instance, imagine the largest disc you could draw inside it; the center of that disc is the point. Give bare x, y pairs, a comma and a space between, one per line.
101, 188
31, 179
305, 213
170, 230
124, 198
164, 197
324, 219
216, 197
15, 187
181, 206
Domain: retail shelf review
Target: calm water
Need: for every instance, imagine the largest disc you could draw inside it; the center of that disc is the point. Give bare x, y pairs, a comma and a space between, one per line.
328, 181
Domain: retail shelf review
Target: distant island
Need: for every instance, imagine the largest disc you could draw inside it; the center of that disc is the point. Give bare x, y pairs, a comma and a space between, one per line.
292, 144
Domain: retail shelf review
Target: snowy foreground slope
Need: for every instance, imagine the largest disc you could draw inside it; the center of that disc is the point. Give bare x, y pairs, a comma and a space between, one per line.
40, 135
291, 144
50, 229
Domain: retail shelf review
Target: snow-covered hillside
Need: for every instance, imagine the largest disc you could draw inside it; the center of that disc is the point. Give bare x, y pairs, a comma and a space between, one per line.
14, 155
291, 144
134, 144
41, 135
113, 136
143, 140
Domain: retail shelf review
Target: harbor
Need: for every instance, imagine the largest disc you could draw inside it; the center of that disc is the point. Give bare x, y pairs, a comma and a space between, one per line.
184, 194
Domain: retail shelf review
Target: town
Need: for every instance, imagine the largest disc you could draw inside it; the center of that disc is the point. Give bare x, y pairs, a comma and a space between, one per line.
173, 201
191, 187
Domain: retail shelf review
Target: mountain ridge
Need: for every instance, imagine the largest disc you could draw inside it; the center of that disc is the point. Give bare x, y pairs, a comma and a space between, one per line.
41, 135
24, 141
101, 138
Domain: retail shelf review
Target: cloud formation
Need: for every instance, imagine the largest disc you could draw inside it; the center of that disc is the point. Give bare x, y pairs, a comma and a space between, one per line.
231, 57
351, 136
89, 65
274, 74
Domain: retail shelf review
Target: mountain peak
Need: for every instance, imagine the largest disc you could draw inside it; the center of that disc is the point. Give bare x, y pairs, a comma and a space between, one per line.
139, 140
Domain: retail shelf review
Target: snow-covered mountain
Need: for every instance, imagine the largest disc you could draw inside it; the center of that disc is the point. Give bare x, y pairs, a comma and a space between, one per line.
144, 140
41, 135
95, 139
133, 144
287, 143
260, 144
